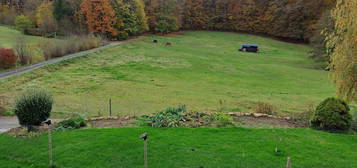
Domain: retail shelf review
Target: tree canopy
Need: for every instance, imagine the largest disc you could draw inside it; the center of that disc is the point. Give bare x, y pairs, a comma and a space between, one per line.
342, 46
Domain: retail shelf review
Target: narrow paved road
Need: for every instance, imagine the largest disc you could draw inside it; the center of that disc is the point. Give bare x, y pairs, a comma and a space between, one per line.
7, 123
52, 61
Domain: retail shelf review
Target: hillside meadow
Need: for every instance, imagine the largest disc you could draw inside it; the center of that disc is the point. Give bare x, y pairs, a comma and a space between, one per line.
202, 70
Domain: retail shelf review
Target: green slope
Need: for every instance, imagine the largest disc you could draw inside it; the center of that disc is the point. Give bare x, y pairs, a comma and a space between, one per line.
199, 70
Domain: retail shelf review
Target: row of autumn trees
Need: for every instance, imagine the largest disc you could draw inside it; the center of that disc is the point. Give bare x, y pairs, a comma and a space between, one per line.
116, 19
294, 19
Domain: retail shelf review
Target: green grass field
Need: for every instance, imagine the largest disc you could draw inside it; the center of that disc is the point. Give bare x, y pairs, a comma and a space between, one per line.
200, 70
184, 147
9, 35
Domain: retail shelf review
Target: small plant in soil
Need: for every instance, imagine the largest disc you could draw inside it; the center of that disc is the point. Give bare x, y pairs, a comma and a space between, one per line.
72, 123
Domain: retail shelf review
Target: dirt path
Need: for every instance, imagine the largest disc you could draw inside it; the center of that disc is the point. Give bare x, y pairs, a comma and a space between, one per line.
56, 60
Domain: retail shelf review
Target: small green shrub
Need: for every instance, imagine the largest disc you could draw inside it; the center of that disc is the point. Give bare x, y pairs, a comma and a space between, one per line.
170, 117
220, 120
178, 116
33, 107
72, 123
333, 115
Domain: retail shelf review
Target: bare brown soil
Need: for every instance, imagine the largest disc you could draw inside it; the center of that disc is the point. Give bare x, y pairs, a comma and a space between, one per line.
267, 122
112, 123
22, 131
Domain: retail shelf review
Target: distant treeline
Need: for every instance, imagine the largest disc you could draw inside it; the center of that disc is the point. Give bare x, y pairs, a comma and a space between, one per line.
294, 19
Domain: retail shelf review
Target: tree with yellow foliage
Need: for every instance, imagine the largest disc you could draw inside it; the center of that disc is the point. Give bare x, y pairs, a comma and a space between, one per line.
342, 46
44, 17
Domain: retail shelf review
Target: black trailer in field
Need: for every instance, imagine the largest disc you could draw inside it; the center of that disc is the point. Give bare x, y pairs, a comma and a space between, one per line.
249, 48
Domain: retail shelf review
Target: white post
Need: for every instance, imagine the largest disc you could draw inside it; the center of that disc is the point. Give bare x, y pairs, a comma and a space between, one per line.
288, 163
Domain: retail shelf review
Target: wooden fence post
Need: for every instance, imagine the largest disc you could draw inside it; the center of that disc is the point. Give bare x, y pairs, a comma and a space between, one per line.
50, 151
288, 163
50, 154
110, 107
145, 137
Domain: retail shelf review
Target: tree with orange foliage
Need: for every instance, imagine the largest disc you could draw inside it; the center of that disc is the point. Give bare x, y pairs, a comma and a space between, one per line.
99, 16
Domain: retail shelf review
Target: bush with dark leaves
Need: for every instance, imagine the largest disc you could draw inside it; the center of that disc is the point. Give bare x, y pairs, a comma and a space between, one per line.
332, 115
33, 108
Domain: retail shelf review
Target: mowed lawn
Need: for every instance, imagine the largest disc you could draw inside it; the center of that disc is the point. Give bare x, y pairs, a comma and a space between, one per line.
202, 70
184, 148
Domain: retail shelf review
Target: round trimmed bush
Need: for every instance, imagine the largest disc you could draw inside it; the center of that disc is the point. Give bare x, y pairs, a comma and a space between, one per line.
333, 115
33, 108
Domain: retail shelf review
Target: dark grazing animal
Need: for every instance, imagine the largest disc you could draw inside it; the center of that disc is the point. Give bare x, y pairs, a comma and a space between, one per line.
168, 44
155, 41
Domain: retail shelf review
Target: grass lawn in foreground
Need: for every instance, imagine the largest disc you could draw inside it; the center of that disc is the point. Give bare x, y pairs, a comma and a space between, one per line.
200, 70
184, 147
